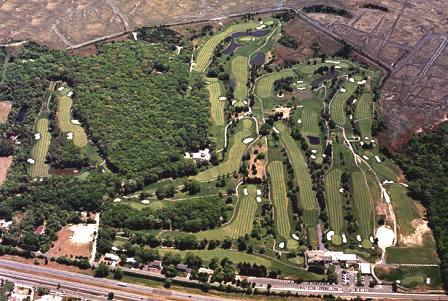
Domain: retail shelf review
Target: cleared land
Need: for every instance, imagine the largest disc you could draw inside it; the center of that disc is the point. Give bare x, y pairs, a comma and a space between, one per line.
233, 161
307, 196
279, 198
5, 108
40, 149
5, 163
64, 121
335, 205
206, 51
362, 204
64, 245
242, 222
217, 106
240, 72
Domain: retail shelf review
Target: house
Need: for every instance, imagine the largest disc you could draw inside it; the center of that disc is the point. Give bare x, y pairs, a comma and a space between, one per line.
40, 230
318, 256
206, 271
155, 264
201, 155
183, 268
365, 268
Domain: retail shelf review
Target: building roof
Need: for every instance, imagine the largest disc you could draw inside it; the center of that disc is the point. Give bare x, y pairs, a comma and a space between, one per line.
364, 267
206, 271
112, 257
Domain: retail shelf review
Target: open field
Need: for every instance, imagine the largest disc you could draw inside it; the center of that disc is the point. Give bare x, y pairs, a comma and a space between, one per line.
217, 106
40, 149
5, 108
242, 222
307, 197
264, 85
5, 163
240, 72
65, 124
362, 205
410, 276
335, 205
233, 160
404, 208
64, 245
412, 255
279, 198
206, 51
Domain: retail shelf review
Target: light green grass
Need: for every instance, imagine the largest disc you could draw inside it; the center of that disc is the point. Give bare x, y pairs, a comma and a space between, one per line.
362, 205
364, 114
65, 124
217, 106
206, 51
404, 208
264, 85
39, 150
279, 198
335, 203
242, 222
338, 103
240, 72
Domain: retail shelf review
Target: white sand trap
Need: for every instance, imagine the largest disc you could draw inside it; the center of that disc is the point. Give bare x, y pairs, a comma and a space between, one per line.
301, 88
313, 157
365, 157
60, 89
295, 236
69, 94
280, 95
31, 161
377, 159
366, 138
134, 35
362, 82
258, 199
117, 200
385, 237
70, 136
351, 79
245, 192
344, 238
351, 117
275, 130
324, 156
300, 81
245, 102
332, 62
75, 121
299, 121
372, 140
222, 98
248, 140
428, 281
258, 192
337, 67
371, 239
82, 233
281, 245
314, 151
343, 90
359, 246
385, 182
37, 136
404, 185
341, 190
330, 235
358, 237
354, 101
146, 202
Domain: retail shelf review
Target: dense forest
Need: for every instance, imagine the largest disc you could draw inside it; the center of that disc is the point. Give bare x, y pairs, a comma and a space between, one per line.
325, 9
427, 171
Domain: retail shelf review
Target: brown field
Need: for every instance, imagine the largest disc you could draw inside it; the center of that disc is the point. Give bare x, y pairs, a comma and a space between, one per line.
5, 108
63, 246
5, 163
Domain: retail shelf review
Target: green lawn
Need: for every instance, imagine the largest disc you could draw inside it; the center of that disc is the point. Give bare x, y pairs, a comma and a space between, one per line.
412, 255
240, 71
362, 205
64, 121
404, 208
335, 205
39, 149
411, 277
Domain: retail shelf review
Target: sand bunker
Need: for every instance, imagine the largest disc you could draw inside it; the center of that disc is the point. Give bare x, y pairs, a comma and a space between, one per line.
31, 161
222, 98
37, 136
281, 245
258, 199
330, 235
248, 140
344, 238
60, 89
358, 237
275, 130
417, 238
351, 79
365, 157
258, 192
146, 202
245, 192
117, 200
82, 233
385, 237
299, 121
295, 236
75, 121
69, 94
70, 136
377, 159
301, 88
343, 90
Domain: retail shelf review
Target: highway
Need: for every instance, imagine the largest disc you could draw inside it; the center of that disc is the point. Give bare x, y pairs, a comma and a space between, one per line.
98, 288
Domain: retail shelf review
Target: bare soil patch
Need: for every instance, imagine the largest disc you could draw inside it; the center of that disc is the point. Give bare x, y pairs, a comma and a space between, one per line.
5, 163
64, 246
5, 108
421, 234
260, 164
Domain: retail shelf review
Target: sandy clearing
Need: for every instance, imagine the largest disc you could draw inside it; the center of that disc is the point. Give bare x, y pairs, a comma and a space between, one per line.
64, 246
5, 108
418, 237
82, 233
5, 163
386, 237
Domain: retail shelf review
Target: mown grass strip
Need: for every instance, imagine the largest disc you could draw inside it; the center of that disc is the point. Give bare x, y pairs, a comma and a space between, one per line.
39, 150
362, 204
64, 121
217, 106
335, 205
240, 72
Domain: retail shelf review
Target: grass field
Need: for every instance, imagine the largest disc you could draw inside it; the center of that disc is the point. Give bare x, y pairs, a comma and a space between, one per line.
362, 205
238, 257
217, 106
206, 51
364, 114
264, 85
279, 198
242, 222
39, 150
404, 208
310, 122
307, 197
411, 276
335, 205
65, 124
413, 255
338, 103
233, 161
240, 72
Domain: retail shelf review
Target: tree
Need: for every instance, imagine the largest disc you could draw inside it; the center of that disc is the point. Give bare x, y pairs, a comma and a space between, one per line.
192, 186
193, 261
165, 191
110, 296
102, 270
118, 274
168, 282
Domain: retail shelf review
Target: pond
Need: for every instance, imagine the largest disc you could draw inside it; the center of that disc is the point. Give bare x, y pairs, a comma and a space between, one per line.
22, 114
314, 140
258, 59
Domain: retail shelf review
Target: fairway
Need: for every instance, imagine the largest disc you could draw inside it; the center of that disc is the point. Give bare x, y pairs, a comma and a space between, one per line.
307, 197
335, 203
240, 72
206, 51
39, 150
363, 114
217, 106
279, 198
338, 103
362, 204
242, 222
233, 161
404, 208
310, 123
264, 85
65, 124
